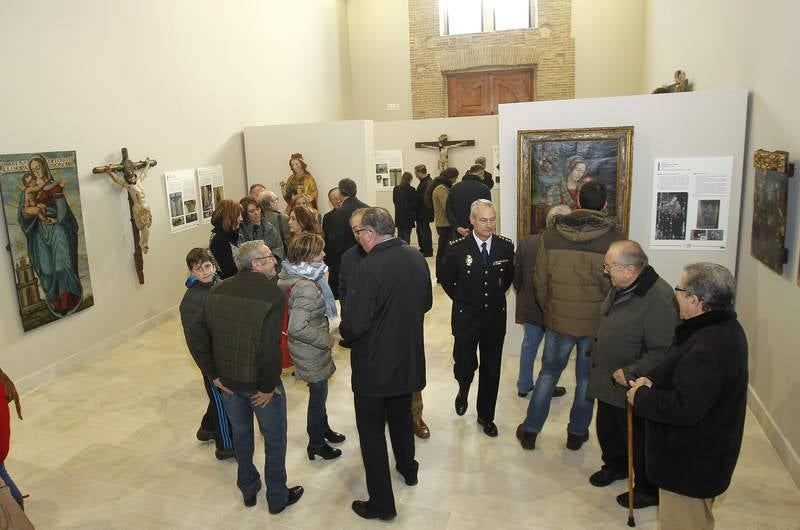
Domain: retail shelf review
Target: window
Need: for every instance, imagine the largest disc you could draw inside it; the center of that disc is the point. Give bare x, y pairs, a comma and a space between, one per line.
458, 17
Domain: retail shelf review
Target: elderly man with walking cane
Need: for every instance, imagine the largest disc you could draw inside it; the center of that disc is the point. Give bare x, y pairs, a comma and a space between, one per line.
637, 322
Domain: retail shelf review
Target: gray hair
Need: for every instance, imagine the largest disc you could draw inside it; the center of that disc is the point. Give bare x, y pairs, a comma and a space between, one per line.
630, 253
473, 208
713, 284
358, 211
265, 198
481, 160
244, 255
379, 220
561, 209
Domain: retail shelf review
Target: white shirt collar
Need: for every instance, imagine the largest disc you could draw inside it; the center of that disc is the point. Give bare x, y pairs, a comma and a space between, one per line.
488, 242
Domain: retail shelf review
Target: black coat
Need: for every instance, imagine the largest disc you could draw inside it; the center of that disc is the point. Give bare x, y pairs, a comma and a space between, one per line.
487, 180
384, 318
405, 206
695, 411
461, 197
347, 265
478, 291
340, 236
424, 212
221, 246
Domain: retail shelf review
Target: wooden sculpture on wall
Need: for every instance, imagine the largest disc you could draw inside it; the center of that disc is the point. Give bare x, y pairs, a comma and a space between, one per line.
444, 146
141, 218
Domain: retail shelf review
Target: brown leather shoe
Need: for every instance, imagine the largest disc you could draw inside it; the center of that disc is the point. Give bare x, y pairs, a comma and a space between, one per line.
421, 429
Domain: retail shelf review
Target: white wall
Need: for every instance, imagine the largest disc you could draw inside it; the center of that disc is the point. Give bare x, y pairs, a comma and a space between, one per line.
332, 151
380, 58
735, 43
667, 125
609, 47
175, 81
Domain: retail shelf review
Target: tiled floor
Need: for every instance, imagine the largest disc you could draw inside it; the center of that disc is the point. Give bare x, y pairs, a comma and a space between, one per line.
113, 446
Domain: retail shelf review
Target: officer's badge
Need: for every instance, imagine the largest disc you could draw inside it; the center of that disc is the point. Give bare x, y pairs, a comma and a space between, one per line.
468, 260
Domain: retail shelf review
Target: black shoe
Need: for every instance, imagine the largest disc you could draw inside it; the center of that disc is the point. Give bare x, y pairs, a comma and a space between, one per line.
575, 441
526, 439
334, 437
461, 403
362, 510
224, 454
606, 476
640, 500
488, 427
524, 394
410, 477
461, 398
325, 451
559, 391
206, 436
294, 495
251, 501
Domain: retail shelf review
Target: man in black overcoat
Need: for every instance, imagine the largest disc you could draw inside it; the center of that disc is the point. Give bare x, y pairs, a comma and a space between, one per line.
460, 199
424, 212
338, 235
477, 271
383, 321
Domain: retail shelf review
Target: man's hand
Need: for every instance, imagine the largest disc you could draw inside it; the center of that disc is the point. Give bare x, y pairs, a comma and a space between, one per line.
463, 231
619, 377
636, 385
225, 389
261, 399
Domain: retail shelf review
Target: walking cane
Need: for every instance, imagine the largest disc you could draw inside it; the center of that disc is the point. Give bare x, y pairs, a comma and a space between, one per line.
631, 521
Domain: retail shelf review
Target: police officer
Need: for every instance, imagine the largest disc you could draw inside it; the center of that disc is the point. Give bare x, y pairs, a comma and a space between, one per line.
477, 271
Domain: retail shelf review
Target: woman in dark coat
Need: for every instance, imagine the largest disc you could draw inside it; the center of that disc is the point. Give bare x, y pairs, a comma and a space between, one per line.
226, 219
405, 207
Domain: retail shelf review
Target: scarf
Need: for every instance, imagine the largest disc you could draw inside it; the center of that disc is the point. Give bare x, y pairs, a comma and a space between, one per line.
316, 273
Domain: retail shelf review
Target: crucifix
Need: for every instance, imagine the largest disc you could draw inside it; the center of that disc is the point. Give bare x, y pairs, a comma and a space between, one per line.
444, 146
141, 218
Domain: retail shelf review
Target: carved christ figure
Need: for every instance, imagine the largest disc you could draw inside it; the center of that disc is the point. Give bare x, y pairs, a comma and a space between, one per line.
443, 147
133, 184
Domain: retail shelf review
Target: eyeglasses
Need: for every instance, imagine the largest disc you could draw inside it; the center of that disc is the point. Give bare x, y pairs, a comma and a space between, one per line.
679, 289
608, 268
357, 231
271, 256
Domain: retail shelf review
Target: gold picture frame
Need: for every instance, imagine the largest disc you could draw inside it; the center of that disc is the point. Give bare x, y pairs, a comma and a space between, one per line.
552, 164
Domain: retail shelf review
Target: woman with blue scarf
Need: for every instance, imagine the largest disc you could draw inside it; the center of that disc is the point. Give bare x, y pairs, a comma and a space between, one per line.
311, 304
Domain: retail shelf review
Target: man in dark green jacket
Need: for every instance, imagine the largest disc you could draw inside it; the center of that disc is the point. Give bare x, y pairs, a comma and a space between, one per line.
235, 340
637, 325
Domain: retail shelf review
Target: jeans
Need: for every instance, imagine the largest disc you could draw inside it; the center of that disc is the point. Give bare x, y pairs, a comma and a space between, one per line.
527, 356
10, 483
317, 415
557, 348
272, 424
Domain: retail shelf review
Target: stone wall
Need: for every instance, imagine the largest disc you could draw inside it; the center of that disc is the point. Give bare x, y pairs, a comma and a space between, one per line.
549, 49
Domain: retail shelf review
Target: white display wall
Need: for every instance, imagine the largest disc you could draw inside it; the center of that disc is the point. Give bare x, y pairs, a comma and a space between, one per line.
692, 124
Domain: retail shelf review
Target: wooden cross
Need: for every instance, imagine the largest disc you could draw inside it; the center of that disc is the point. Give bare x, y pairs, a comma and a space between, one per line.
444, 146
141, 218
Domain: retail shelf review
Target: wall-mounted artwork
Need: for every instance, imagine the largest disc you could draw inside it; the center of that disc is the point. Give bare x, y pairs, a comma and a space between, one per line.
769, 208
42, 209
554, 164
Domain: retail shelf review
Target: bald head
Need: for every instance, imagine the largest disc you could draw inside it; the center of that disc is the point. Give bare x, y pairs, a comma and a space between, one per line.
627, 252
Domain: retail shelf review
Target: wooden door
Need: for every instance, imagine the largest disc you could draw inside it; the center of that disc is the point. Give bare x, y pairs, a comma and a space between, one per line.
478, 94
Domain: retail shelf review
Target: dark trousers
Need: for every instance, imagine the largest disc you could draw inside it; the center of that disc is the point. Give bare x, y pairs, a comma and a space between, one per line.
404, 234
488, 336
612, 433
424, 237
372, 414
445, 235
333, 278
317, 413
215, 419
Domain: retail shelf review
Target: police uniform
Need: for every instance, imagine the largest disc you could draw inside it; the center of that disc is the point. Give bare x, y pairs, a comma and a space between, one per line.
478, 291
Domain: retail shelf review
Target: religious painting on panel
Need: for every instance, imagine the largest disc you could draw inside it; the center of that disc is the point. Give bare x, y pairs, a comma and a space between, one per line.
44, 220
769, 208
554, 164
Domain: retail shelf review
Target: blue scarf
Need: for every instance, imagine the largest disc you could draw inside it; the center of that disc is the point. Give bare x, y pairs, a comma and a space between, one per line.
316, 273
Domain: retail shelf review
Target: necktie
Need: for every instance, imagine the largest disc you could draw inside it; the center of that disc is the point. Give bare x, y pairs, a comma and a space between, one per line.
484, 253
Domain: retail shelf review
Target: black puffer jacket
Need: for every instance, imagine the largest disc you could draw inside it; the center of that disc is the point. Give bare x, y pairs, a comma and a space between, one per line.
236, 335
194, 299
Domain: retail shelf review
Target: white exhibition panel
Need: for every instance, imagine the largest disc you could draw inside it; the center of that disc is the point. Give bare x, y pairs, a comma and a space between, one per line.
332, 150
690, 124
